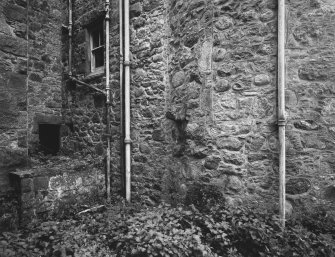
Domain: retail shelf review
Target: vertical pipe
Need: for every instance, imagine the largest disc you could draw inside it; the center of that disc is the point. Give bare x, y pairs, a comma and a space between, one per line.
127, 139
121, 98
27, 83
70, 38
281, 109
107, 6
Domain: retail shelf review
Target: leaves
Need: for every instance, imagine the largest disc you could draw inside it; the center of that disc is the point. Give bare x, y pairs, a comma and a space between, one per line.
166, 231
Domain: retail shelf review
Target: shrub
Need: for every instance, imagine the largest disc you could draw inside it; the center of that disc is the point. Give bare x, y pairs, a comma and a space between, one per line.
162, 231
204, 196
165, 231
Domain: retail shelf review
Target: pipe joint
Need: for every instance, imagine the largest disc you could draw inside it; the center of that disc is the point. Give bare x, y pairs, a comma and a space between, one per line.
127, 141
107, 10
126, 63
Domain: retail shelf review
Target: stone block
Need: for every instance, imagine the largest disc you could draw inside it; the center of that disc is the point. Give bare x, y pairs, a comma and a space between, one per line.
205, 59
224, 22
229, 143
222, 85
219, 54
35, 77
212, 162
27, 185
16, 46
306, 125
234, 184
15, 13
233, 158
12, 158
135, 10
329, 193
27, 200
314, 72
41, 183
144, 148
262, 80
158, 135
178, 79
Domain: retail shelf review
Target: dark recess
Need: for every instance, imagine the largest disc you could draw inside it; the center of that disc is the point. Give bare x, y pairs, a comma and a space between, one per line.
49, 136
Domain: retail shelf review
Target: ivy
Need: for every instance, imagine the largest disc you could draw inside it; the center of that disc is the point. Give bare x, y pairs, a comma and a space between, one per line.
135, 231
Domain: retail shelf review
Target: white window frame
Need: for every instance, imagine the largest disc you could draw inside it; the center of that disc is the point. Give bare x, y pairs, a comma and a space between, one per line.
93, 70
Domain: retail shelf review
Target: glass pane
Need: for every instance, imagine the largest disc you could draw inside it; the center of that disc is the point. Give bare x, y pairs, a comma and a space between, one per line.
101, 36
99, 57
95, 38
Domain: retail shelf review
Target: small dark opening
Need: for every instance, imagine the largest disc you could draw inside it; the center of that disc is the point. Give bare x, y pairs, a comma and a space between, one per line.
49, 135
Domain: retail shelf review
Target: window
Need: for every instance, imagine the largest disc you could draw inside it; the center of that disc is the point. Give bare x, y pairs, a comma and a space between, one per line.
96, 46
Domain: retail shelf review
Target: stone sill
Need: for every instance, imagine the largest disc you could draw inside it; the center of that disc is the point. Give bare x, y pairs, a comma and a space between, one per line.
51, 170
94, 75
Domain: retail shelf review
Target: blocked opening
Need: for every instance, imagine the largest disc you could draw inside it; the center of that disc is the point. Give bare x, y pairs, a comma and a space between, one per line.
49, 136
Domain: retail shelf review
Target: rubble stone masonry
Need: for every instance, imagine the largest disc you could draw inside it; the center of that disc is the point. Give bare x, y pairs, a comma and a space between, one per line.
203, 93
13, 93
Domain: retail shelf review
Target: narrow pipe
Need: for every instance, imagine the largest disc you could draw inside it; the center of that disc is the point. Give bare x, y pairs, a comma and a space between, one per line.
121, 98
126, 64
27, 84
87, 85
281, 109
108, 159
70, 37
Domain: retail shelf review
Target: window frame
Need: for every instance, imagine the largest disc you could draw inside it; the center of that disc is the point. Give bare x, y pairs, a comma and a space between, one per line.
90, 30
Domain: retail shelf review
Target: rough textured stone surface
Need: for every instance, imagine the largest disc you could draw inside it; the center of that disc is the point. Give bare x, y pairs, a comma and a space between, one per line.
203, 93
13, 95
42, 188
232, 60
310, 75
44, 90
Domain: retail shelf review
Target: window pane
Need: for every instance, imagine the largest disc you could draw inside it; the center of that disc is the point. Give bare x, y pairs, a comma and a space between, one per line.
101, 36
99, 57
95, 38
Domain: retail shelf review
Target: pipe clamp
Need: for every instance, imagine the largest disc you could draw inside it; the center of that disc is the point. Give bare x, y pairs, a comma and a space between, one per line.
281, 122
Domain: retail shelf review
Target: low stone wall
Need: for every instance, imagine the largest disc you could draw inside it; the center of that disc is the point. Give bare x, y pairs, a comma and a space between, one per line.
41, 190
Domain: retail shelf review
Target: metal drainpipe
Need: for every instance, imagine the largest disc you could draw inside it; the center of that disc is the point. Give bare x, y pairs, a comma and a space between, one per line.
107, 7
70, 38
126, 64
121, 96
281, 109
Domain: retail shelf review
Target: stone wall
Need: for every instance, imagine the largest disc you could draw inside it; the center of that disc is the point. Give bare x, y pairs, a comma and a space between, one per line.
151, 158
31, 75
45, 66
85, 109
222, 97
13, 84
54, 187
203, 92
204, 97
310, 94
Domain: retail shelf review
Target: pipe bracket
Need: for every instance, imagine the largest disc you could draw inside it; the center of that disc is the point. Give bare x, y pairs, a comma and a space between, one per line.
281, 122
